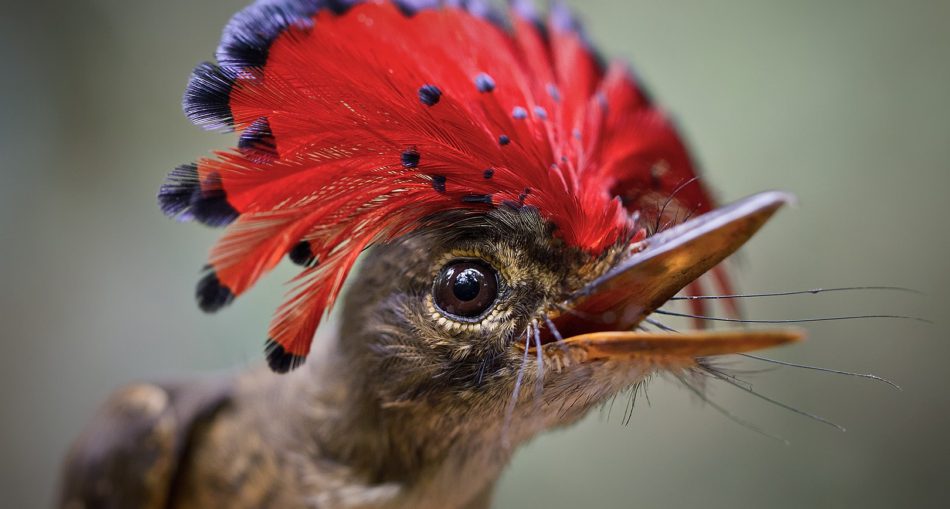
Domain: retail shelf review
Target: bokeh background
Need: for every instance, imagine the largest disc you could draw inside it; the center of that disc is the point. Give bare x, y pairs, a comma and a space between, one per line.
843, 102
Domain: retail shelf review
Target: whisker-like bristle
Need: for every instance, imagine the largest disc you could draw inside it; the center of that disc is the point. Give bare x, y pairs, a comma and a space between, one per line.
725, 378
825, 370
635, 391
553, 328
659, 325
729, 415
802, 320
513, 402
813, 291
669, 200
539, 381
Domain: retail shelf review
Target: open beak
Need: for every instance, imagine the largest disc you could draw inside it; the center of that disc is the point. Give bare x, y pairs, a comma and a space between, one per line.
598, 321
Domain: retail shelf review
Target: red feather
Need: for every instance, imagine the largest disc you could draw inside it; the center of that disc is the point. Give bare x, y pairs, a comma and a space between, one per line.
359, 124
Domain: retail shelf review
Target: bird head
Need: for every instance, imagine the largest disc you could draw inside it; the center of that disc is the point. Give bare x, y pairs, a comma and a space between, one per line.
489, 319
524, 203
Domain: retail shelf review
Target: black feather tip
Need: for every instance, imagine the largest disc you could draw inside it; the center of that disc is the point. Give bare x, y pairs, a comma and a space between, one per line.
279, 359
207, 97
302, 254
211, 294
175, 195
210, 206
247, 38
184, 197
257, 142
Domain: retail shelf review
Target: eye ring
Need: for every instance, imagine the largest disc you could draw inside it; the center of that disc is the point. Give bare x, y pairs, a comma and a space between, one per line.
465, 289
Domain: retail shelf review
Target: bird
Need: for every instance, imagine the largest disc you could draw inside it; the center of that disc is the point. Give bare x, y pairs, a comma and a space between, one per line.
519, 206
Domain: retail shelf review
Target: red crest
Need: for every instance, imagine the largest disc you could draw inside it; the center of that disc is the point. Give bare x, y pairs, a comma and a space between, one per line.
358, 120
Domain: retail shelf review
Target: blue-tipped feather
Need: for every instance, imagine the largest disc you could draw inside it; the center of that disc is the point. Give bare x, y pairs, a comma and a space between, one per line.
248, 36
176, 193
207, 97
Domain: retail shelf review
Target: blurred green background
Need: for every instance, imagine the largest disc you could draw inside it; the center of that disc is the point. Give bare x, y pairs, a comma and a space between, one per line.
842, 102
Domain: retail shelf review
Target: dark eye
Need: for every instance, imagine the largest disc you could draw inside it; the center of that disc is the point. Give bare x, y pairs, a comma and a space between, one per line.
465, 288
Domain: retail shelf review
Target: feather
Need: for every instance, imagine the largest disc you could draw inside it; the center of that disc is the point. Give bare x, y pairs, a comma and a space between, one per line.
359, 120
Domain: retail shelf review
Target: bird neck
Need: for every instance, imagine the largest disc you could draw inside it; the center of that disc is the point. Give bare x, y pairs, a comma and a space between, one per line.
425, 448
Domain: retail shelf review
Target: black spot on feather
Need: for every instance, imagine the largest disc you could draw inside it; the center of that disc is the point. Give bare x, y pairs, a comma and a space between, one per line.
302, 254
174, 197
410, 158
484, 83
438, 183
257, 142
207, 97
429, 94
488, 173
279, 359
504, 140
211, 294
477, 198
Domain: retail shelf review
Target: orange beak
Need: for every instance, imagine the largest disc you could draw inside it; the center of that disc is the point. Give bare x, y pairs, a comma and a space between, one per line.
600, 318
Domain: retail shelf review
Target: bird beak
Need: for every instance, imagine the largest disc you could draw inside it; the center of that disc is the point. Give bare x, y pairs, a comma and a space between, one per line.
598, 322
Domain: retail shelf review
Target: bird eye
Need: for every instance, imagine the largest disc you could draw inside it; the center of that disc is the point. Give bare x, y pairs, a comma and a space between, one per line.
465, 288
